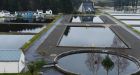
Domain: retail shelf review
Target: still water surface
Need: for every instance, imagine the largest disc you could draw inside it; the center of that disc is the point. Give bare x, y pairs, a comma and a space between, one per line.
23, 28
90, 37
24, 20
97, 64
10, 42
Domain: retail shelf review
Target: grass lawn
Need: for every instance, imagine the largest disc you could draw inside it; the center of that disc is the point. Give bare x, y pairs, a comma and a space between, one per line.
131, 27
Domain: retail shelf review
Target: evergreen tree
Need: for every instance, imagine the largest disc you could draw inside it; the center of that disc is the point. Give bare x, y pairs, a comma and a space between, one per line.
64, 6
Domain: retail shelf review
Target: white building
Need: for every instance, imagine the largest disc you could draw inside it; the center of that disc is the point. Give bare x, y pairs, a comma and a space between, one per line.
5, 13
76, 19
41, 14
49, 12
11, 61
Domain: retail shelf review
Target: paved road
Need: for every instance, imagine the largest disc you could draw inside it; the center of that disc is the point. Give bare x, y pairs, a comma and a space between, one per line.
123, 26
31, 53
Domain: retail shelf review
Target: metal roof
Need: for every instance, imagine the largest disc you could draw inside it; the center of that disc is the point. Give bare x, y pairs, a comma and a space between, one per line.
10, 55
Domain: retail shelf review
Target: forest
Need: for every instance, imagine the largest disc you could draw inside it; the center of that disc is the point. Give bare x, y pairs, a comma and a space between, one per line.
61, 6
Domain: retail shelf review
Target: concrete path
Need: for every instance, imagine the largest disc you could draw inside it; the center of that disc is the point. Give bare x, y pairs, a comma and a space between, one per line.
49, 46
51, 49
122, 25
32, 54
129, 36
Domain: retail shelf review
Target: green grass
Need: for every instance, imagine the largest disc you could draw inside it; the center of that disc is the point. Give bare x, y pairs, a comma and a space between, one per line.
131, 27
98, 12
37, 36
27, 73
136, 31
35, 67
137, 73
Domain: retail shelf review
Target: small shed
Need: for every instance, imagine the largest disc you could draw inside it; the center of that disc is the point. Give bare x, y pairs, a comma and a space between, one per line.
11, 61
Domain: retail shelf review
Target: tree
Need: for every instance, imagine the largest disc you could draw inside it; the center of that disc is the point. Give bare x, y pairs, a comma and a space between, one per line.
107, 63
101, 3
32, 68
64, 6
36, 66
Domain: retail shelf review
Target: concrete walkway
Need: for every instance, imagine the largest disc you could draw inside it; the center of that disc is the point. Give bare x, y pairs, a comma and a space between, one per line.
129, 36
50, 49
32, 54
49, 46
122, 25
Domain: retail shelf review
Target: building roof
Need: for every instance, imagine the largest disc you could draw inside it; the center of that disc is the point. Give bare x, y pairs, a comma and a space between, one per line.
5, 11
10, 55
88, 5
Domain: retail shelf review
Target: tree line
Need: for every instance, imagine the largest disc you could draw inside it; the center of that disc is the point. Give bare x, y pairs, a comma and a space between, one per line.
64, 6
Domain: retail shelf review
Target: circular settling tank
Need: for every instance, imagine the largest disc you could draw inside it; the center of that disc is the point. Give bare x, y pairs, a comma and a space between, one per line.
96, 63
